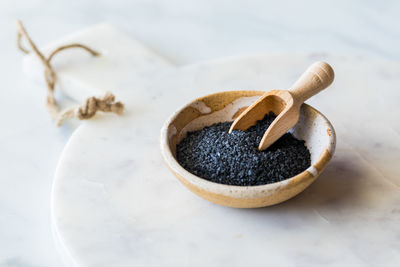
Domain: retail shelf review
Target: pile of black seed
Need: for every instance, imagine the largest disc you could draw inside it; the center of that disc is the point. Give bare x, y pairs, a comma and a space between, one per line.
214, 154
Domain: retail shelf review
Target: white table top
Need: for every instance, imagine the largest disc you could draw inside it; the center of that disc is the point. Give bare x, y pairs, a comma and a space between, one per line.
186, 32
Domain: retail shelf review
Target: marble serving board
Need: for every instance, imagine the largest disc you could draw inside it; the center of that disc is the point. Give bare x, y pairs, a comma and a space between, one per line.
114, 203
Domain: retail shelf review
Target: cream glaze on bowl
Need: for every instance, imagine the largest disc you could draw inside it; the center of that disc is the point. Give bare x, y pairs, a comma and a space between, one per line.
313, 127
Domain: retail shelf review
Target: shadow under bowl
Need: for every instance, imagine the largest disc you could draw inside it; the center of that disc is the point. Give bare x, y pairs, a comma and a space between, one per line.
312, 127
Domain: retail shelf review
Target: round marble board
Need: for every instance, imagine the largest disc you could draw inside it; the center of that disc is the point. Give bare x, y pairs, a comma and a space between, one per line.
115, 204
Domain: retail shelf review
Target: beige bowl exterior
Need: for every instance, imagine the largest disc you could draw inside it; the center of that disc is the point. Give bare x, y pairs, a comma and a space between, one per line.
312, 127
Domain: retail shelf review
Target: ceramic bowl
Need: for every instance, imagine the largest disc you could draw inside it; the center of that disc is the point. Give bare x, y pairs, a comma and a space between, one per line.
313, 127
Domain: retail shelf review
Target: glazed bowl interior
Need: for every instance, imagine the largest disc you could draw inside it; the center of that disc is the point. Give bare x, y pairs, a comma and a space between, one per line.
312, 127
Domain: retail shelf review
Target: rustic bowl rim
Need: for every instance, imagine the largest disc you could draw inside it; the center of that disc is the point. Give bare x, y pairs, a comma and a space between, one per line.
238, 191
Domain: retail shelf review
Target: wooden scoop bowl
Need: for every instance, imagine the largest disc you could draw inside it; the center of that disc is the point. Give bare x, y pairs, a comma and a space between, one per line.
285, 104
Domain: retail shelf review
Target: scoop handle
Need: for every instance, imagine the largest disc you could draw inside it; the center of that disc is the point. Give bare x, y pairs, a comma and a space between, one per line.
315, 79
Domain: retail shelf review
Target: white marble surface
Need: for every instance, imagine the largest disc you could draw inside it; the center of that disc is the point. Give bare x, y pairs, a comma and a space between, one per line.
116, 204
184, 31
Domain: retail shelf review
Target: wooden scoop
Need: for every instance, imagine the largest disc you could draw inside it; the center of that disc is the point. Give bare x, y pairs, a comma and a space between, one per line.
285, 104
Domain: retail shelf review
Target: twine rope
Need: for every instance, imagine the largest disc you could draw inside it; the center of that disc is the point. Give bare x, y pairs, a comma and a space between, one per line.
85, 111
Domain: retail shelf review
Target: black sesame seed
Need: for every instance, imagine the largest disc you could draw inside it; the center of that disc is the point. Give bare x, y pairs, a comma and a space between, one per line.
215, 155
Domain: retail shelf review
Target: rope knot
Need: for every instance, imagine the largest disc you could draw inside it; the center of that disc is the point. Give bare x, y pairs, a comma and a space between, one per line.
94, 104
